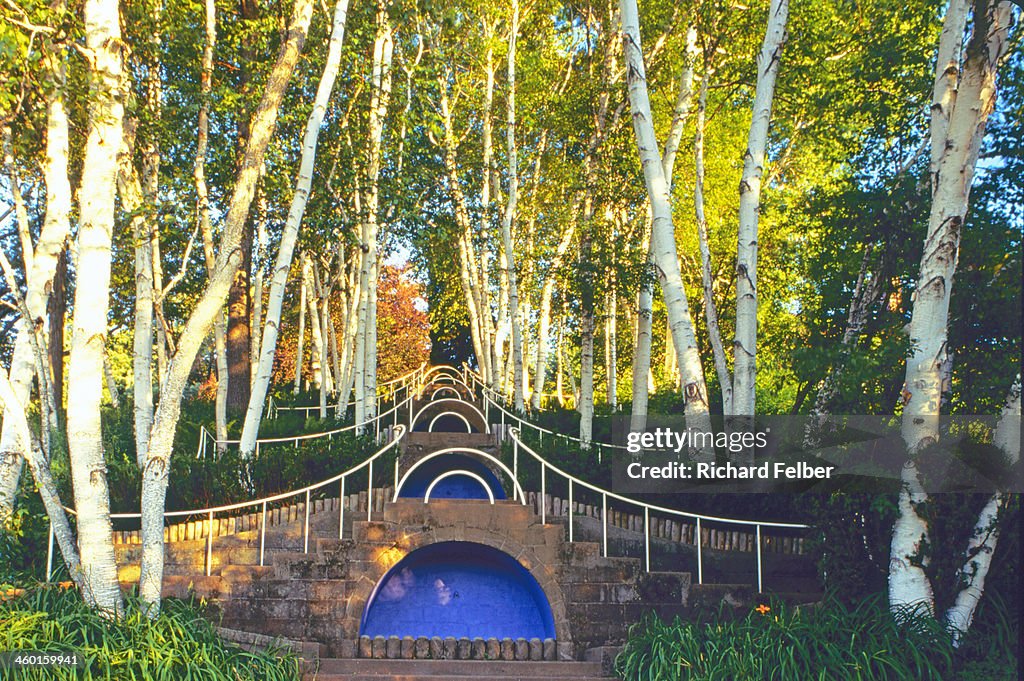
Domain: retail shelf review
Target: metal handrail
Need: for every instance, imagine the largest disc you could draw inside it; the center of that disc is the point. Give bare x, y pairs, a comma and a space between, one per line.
647, 509
540, 429
407, 380
205, 435
399, 432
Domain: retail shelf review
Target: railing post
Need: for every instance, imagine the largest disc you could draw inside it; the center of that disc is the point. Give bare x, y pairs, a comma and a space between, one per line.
341, 510
257, 455
570, 510
515, 465
604, 524
263, 532
209, 544
369, 492
647, 539
700, 564
760, 588
49, 556
305, 527
543, 494
396, 476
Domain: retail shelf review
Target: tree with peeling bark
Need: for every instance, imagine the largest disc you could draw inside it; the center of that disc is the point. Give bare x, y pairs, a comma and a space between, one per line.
963, 97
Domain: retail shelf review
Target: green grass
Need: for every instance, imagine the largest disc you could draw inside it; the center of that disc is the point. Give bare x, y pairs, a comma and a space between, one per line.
178, 645
830, 642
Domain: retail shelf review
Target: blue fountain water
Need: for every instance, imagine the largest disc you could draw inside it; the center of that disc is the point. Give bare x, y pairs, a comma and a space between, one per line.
458, 589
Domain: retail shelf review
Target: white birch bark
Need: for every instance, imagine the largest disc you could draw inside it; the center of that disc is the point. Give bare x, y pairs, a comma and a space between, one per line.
302, 326
611, 361
14, 411
509, 217
985, 534
130, 191
710, 310
209, 305
108, 377
89, 322
12, 447
544, 314
39, 278
256, 326
203, 217
662, 230
379, 101
745, 341
316, 340
959, 141
645, 303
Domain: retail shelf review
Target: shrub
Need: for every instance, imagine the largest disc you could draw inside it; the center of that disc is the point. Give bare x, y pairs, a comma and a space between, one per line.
178, 644
830, 641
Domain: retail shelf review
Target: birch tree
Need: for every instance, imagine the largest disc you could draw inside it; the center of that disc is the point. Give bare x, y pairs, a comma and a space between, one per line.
745, 343
203, 215
286, 248
39, 277
662, 229
964, 95
509, 216
645, 315
209, 305
89, 323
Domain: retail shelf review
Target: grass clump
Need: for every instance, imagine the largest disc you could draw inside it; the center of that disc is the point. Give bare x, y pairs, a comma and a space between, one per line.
829, 642
178, 645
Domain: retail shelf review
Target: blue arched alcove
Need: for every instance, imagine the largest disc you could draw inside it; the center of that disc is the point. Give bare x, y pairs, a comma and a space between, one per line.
458, 589
456, 486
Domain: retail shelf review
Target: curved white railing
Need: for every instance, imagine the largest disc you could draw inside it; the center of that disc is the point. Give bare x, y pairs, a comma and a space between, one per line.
306, 492
647, 509
434, 403
205, 436
507, 416
457, 472
404, 382
518, 494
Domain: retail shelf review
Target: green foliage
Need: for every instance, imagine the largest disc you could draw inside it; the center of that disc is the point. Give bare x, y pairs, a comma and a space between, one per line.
180, 643
829, 641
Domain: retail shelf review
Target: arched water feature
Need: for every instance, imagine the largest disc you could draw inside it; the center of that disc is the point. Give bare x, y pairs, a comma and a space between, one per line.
455, 486
458, 589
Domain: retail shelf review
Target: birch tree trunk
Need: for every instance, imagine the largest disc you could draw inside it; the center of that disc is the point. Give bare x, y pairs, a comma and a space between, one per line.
509, 217
745, 343
203, 216
982, 543
645, 302
209, 305
379, 101
289, 236
611, 361
316, 339
40, 468
710, 311
965, 98
302, 326
132, 199
44, 260
257, 287
89, 323
662, 230
544, 316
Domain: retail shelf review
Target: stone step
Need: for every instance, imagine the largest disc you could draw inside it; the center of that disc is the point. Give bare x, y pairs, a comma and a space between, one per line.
407, 670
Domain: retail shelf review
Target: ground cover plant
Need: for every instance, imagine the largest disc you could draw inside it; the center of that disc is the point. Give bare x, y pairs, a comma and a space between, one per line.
179, 644
829, 641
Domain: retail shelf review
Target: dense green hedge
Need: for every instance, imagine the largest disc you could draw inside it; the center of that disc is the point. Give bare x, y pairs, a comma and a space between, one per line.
178, 645
830, 642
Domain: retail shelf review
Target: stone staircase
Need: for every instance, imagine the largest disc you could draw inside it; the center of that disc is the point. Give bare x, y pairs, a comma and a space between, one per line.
453, 670
313, 587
